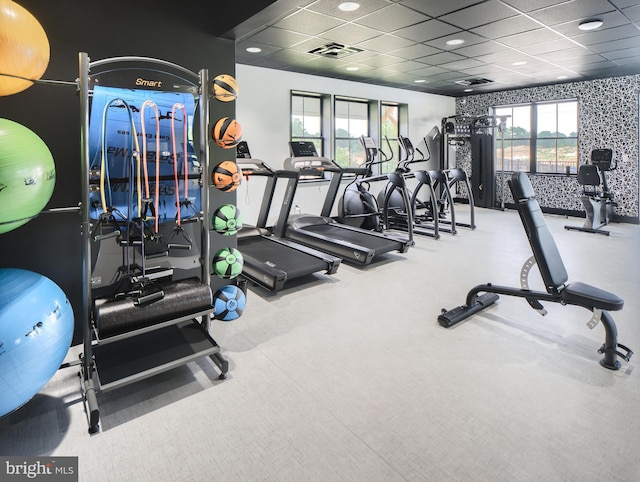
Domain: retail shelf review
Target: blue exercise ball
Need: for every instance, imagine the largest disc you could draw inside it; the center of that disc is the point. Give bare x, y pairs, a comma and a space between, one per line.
36, 329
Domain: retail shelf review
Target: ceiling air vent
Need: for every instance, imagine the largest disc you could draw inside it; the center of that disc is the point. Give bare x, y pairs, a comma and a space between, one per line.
473, 81
335, 50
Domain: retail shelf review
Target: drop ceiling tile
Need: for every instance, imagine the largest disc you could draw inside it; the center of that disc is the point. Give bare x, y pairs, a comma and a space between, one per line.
415, 51
408, 65
441, 58
436, 9
577, 62
480, 14
381, 60
392, 18
622, 54
568, 11
468, 37
531, 5
311, 43
621, 44
241, 49
426, 31
461, 64
562, 56
350, 34
608, 35
427, 71
309, 23
484, 48
529, 38
507, 26
633, 13
318, 62
290, 57
624, 3
449, 75
610, 20
546, 47
598, 66
277, 37
384, 43
330, 7
507, 55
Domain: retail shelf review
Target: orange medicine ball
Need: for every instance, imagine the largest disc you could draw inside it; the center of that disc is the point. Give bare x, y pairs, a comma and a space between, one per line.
225, 88
226, 176
227, 133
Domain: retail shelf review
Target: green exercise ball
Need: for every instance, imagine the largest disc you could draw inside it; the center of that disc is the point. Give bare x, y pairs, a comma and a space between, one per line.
27, 175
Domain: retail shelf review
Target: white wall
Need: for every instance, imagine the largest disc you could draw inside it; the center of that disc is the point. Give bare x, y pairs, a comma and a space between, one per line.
263, 110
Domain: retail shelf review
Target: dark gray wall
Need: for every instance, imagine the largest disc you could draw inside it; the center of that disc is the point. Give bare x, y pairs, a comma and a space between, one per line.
176, 32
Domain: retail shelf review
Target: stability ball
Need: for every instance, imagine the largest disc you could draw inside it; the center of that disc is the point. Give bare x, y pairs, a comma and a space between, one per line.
24, 48
36, 329
27, 175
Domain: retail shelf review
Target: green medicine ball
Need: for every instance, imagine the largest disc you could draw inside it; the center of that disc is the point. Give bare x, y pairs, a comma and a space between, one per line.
227, 263
227, 220
27, 175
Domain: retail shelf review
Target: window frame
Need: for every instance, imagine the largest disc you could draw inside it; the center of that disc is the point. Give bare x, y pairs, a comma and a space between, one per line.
317, 140
534, 139
354, 142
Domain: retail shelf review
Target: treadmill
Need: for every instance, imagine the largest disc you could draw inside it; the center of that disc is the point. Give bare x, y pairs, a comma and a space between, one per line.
271, 261
354, 245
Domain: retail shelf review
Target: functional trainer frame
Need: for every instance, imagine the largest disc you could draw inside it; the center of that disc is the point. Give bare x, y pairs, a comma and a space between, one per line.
188, 338
555, 277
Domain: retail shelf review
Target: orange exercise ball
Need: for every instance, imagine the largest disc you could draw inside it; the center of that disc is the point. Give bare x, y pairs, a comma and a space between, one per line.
24, 48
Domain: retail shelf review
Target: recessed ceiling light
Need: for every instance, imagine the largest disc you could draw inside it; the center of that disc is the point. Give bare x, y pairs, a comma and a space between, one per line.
455, 41
420, 81
590, 24
254, 50
468, 90
352, 69
349, 6
521, 62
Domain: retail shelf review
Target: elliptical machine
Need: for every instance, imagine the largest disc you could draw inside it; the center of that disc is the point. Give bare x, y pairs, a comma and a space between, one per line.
598, 204
357, 206
397, 211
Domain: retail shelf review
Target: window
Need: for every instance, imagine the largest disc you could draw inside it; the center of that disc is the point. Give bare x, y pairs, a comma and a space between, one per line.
557, 137
306, 118
517, 139
389, 130
539, 138
351, 122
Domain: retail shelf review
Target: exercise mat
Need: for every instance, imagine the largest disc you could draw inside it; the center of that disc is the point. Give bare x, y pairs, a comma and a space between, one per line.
181, 298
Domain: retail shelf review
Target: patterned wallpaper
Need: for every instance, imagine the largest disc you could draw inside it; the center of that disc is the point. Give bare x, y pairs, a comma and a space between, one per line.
608, 118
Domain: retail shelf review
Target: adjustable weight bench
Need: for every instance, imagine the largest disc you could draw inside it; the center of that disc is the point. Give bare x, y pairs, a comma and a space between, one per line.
555, 277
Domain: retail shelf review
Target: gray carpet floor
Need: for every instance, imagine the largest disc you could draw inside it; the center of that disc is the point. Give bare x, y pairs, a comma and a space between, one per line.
350, 378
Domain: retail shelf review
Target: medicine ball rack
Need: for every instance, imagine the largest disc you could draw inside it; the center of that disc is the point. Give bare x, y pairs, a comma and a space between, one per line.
168, 339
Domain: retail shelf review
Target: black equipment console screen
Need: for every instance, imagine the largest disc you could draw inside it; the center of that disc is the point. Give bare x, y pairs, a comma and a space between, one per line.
601, 158
303, 149
242, 150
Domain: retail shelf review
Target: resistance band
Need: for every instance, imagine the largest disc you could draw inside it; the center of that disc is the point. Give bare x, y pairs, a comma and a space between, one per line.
175, 157
134, 148
156, 204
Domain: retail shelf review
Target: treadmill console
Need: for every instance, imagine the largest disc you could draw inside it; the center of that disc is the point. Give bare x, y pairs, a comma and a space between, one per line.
303, 149
242, 150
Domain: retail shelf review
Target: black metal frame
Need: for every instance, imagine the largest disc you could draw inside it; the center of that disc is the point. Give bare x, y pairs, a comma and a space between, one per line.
554, 275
